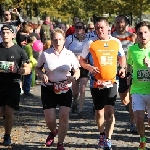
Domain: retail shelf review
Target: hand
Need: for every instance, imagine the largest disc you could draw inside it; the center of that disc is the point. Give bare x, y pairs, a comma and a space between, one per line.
122, 72
15, 11
94, 70
44, 78
70, 79
146, 61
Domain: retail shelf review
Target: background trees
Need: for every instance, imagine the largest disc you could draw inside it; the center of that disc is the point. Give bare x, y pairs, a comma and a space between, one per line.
66, 9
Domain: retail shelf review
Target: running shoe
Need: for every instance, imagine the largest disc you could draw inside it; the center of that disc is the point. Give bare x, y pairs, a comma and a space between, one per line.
50, 138
60, 146
142, 146
7, 140
107, 144
101, 142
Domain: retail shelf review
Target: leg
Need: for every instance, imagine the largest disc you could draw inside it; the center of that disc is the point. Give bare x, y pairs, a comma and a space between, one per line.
127, 100
110, 120
63, 123
27, 83
9, 119
2, 111
138, 106
75, 91
83, 82
99, 116
139, 119
50, 118
125, 97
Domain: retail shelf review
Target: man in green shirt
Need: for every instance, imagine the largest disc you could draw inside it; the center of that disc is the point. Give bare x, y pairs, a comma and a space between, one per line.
138, 59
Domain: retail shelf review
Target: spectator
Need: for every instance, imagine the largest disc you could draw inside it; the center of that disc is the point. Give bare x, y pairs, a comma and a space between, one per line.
71, 30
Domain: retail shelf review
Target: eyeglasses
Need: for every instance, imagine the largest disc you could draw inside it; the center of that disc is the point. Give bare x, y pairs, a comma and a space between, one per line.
78, 27
6, 14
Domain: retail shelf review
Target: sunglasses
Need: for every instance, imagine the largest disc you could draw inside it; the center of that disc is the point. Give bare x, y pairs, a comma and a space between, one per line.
91, 28
6, 14
78, 27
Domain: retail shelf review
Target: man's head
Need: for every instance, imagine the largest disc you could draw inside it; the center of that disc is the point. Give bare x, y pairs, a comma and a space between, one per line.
121, 23
47, 19
91, 27
7, 33
62, 26
102, 27
7, 16
75, 20
143, 32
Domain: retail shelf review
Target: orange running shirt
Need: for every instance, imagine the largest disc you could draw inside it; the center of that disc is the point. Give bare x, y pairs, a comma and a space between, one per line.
104, 56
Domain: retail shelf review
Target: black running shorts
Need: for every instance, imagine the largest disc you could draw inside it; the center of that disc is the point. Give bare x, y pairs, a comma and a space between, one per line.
123, 87
50, 99
10, 94
102, 97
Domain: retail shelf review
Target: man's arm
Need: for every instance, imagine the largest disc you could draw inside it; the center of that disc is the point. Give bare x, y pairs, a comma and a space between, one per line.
122, 61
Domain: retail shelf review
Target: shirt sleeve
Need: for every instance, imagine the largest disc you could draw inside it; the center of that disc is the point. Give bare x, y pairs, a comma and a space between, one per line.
41, 60
68, 41
85, 50
75, 63
129, 57
121, 51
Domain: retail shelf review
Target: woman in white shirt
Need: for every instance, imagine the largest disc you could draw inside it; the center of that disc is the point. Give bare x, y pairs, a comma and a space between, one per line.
55, 88
75, 43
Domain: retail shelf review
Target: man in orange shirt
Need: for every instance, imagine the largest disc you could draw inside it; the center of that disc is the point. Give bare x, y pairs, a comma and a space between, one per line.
102, 53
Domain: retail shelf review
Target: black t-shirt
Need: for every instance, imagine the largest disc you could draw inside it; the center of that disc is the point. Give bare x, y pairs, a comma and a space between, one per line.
13, 54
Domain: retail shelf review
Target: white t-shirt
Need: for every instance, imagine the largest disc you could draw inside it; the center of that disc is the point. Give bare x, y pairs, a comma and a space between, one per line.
72, 43
57, 67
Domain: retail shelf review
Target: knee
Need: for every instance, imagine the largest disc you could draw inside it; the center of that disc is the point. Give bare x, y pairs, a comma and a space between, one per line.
8, 112
99, 114
63, 119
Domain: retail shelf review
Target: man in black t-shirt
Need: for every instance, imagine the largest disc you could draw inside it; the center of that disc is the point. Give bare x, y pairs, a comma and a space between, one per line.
13, 63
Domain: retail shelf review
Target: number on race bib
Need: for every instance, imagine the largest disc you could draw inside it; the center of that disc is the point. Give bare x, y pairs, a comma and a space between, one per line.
60, 88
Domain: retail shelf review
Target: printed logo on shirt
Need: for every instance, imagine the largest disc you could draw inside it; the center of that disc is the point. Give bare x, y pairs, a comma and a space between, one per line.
105, 45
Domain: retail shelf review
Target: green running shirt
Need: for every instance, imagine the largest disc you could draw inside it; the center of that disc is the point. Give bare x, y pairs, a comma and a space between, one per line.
141, 73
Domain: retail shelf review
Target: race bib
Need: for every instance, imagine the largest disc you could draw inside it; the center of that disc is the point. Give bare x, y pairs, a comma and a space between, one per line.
60, 87
5, 65
102, 85
143, 75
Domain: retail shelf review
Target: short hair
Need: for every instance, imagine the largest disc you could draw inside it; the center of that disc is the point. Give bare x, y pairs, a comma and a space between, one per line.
100, 19
125, 18
81, 23
57, 30
142, 24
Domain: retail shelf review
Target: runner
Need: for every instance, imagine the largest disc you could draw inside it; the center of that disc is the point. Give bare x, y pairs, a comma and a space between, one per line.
13, 64
126, 39
139, 62
57, 62
75, 43
103, 79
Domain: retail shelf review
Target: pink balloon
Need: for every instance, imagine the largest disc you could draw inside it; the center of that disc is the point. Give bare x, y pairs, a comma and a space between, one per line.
37, 46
